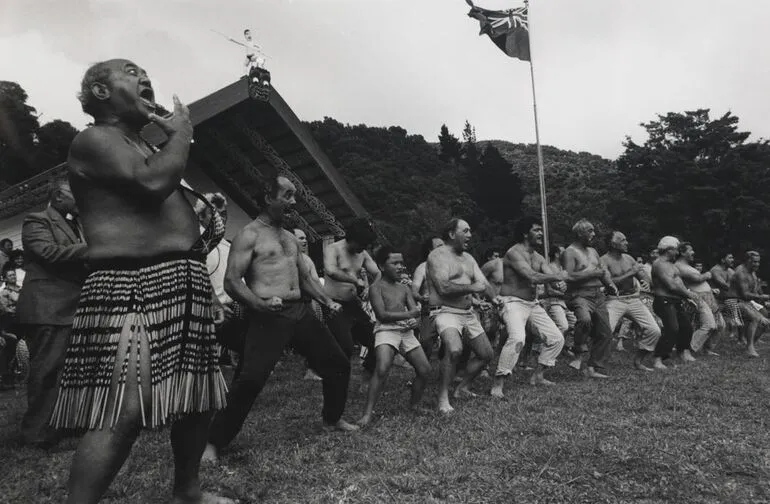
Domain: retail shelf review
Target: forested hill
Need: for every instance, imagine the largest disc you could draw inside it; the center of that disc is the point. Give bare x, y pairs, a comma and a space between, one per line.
411, 188
694, 176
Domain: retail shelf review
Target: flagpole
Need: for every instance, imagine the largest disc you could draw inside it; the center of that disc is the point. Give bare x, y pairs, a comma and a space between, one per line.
540, 166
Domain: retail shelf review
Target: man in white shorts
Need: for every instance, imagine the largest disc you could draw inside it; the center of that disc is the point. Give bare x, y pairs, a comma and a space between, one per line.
453, 278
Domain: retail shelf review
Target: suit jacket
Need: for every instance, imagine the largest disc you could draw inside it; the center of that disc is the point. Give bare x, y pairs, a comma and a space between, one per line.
55, 270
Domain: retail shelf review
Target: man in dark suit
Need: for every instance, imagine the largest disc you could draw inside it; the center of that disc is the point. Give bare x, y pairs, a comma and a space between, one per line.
55, 252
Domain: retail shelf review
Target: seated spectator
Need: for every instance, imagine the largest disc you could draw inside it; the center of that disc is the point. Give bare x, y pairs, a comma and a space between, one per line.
9, 296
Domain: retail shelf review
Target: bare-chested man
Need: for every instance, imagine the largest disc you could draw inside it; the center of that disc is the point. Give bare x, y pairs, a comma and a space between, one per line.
317, 309
553, 299
143, 337
708, 310
523, 268
721, 277
585, 277
422, 295
454, 277
670, 297
343, 262
493, 269
624, 270
267, 273
745, 285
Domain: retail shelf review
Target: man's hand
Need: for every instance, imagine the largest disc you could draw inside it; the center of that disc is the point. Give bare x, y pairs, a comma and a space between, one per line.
334, 308
411, 323
707, 276
715, 291
272, 304
178, 123
644, 284
613, 290
219, 314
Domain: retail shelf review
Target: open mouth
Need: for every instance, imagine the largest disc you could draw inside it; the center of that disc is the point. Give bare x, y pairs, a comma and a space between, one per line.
147, 97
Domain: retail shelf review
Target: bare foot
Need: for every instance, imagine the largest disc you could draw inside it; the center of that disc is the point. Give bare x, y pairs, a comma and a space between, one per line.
497, 391
540, 380
461, 392
342, 426
484, 374
593, 373
752, 352
205, 498
641, 367
445, 409
364, 420
658, 364
687, 356
576, 363
210, 455
620, 347
420, 410
312, 375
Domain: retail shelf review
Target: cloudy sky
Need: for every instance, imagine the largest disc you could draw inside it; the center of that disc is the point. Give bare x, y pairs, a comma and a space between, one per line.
601, 66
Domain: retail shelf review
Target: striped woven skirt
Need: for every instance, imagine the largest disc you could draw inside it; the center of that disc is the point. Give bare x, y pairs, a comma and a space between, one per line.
154, 314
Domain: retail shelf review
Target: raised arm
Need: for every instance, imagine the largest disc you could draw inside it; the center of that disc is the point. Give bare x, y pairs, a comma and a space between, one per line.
382, 314
308, 282
241, 255
103, 154
371, 268
719, 279
418, 280
743, 288
439, 272
673, 283
333, 271
521, 265
481, 280
38, 241
691, 275
569, 263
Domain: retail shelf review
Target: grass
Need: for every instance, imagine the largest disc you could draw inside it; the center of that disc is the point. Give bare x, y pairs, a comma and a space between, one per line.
694, 434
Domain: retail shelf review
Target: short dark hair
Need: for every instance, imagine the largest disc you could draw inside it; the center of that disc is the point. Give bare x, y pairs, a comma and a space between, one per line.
6, 268
361, 232
98, 72
246, 30
271, 187
490, 252
553, 252
449, 228
750, 254
4, 241
383, 254
427, 247
522, 227
683, 247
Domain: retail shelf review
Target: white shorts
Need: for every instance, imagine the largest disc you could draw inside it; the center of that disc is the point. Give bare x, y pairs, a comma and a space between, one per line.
403, 340
463, 321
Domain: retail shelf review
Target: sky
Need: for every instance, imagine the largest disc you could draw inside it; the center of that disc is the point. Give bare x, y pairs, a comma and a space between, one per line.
601, 67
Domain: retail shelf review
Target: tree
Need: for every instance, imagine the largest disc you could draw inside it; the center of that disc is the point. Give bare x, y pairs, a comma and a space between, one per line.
697, 178
18, 126
449, 146
53, 143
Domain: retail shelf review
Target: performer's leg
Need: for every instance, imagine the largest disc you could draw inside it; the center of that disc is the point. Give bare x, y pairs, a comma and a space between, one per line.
102, 452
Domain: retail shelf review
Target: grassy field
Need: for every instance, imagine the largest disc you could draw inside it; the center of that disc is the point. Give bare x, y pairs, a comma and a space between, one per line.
694, 434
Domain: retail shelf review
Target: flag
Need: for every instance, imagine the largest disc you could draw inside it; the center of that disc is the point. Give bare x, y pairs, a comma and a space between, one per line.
508, 29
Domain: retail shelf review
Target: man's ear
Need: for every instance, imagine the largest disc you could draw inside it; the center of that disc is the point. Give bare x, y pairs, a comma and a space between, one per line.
100, 90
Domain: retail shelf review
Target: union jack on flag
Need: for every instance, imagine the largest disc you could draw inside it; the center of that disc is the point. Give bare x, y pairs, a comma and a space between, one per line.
508, 29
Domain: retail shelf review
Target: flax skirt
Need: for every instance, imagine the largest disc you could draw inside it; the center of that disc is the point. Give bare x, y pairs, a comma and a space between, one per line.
152, 313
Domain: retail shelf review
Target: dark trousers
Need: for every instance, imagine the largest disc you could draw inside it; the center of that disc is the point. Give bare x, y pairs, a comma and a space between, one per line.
677, 327
7, 354
590, 307
353, 325
268, 335
47, 348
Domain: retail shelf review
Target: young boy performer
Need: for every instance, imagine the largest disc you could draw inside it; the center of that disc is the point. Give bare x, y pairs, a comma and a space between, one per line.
396, 313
